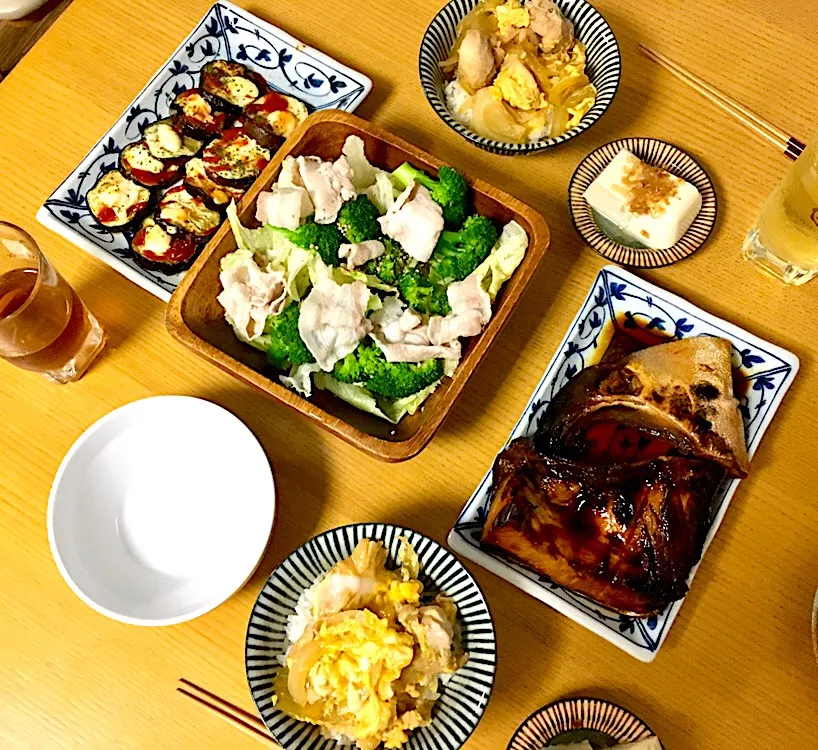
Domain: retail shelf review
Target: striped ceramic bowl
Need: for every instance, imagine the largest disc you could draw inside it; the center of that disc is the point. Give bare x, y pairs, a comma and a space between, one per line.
604, 69
658, 154
463, 698
573, 720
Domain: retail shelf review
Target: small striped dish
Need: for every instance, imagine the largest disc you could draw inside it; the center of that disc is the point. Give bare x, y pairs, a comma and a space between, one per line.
604, 69
576, 719
659, 154
463, 698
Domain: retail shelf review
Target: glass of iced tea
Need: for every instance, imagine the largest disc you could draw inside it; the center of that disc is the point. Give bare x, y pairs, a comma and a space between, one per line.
44, 326
784, 240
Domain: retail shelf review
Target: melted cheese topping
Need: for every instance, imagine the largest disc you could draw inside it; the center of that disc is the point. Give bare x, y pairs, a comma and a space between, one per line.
196, 176
137, 156
237, 158
196, 106
238, 90
187, 212
155, 240
164, 142
118, 193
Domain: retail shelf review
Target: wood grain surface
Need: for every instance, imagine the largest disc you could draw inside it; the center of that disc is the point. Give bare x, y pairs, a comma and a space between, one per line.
197, 319
737, 670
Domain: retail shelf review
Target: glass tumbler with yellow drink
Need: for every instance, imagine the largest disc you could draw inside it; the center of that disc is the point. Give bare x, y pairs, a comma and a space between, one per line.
784, 240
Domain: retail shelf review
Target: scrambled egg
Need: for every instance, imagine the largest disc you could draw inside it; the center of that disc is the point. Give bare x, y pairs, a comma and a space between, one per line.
511, 15
367, 667
538, 87
517, 85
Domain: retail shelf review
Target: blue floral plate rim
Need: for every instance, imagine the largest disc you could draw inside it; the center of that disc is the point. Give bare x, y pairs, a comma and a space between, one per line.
768, 368
225, 30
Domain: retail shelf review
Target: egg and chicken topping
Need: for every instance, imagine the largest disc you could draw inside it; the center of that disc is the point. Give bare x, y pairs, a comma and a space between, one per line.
519, 71
368, 663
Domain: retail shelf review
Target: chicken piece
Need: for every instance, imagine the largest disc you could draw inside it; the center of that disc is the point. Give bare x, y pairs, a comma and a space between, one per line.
405, 352
397, 323
435, 654
550, 25
511, 18
290, 175
471, 310
351, 581
333, 320
328, 185
475, 61
415, 221
517, 84
401, 335
359, 253
284, 207
249, 296
342, 175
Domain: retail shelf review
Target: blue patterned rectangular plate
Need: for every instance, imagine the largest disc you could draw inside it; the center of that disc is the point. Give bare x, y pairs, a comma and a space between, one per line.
226, 31
617, 295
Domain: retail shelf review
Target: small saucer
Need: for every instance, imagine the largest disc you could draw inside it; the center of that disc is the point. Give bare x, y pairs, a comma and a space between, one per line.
572, 720
603, 236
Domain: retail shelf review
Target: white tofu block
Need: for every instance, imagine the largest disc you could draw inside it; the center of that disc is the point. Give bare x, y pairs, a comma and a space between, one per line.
659, 230
651, 743
584, 745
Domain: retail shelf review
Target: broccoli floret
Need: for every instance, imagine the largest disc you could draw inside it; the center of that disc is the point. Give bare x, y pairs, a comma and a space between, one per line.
423, 295
457, 254
449, 190
358, 220
286, 349
367, 366
324, 239
391, 265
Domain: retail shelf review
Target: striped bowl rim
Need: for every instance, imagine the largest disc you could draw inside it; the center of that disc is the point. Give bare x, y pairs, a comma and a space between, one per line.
657, 153
464, 697
568, 714
604, 69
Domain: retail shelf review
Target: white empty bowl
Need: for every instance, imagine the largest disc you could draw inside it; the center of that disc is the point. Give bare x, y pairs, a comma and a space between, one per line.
161, 510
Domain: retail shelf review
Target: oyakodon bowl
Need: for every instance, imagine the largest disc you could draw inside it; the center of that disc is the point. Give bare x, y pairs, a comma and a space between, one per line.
463, 698
161, 510
604, 69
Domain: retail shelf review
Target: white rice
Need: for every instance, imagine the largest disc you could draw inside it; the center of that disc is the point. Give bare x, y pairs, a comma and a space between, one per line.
299, 620
457, 102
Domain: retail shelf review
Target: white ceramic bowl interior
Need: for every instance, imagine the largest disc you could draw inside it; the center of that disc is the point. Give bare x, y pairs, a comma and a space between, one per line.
161, 510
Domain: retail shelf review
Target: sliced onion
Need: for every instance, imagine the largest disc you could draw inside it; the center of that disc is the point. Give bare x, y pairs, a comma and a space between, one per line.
563, 88
559, 121
303, 658
491, 118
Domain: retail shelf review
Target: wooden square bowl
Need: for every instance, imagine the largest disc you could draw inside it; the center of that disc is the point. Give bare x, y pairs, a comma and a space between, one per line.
196, 319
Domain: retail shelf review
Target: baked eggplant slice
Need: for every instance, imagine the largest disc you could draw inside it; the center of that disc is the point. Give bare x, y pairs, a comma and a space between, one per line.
179, 211
199, 183
165, 139
155, 248
272, 117
235, 159
232, 83
117, 202
200, 115
138, 164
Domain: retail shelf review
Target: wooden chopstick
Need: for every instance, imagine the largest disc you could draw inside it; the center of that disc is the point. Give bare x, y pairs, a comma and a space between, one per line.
238, 717
790, 145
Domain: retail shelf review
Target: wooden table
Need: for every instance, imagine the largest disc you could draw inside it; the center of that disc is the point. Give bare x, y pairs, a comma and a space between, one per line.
737, 670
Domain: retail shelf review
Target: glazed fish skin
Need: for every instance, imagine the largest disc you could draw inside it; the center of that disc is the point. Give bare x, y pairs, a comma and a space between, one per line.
681, 391
625, 535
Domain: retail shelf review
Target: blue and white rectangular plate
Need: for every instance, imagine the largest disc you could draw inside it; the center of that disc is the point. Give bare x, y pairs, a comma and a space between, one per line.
618, 297
228, 32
